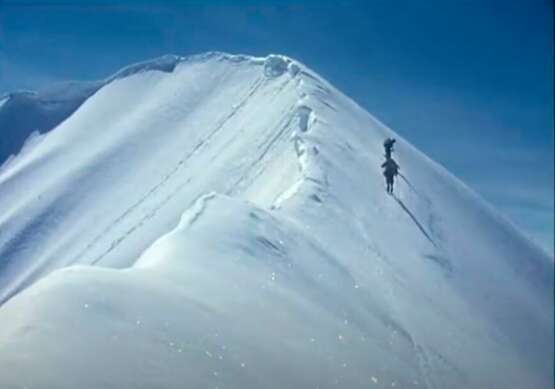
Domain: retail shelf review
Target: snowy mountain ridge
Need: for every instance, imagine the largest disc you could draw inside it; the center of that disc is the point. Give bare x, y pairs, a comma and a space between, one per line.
40, 111
220, 221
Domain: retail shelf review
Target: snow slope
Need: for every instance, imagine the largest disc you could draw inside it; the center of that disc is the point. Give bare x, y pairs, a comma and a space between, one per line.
227, 227
25, 113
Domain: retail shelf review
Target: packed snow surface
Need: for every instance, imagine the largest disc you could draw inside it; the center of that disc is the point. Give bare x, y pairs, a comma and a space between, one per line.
220, 221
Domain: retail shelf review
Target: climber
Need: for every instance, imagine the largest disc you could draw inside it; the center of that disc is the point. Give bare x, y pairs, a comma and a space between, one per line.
388, 146
391, 169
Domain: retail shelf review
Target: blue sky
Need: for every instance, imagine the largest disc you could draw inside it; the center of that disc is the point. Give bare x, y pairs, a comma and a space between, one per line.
469, 82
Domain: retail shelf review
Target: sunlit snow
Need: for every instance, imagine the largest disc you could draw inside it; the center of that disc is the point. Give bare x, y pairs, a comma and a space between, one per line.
221, 221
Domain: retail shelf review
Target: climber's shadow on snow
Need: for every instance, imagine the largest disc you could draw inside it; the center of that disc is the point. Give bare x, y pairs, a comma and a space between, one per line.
442, 262
438, 259
414, 219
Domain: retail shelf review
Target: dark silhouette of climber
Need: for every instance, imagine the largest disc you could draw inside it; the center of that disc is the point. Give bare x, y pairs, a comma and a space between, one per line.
388, 146
390, 170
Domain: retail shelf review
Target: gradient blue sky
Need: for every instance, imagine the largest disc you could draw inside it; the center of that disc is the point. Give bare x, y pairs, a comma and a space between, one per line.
469, 82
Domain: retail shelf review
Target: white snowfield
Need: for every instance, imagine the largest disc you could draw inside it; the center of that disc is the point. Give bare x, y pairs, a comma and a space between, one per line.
224, 224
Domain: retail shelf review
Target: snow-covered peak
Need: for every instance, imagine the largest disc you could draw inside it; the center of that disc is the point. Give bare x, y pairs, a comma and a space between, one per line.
274, 64
23, 112
221, 221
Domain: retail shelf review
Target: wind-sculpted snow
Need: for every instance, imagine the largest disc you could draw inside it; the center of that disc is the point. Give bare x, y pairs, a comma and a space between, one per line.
24, 113
223, 223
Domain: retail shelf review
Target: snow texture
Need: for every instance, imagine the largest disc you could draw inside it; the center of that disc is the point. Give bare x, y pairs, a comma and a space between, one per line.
26, 112
221, 221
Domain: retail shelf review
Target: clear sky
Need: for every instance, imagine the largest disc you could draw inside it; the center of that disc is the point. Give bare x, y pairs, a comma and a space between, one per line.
469, 82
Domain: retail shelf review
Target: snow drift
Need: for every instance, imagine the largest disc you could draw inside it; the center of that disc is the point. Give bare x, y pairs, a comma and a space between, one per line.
24, 113
220, 221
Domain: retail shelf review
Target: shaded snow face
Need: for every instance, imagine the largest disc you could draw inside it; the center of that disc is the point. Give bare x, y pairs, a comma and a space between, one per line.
229, 228
25, 113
